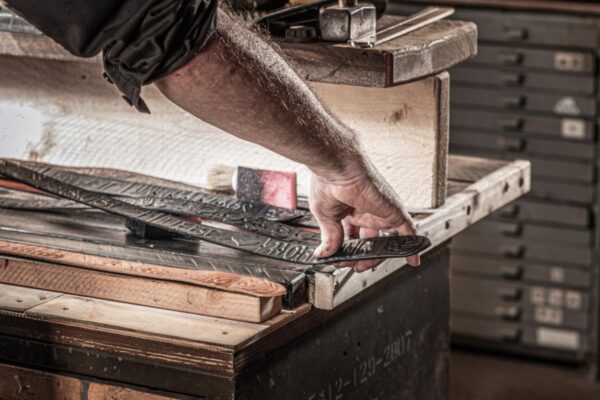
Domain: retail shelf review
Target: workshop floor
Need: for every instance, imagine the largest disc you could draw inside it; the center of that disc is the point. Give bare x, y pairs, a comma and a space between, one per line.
480, 376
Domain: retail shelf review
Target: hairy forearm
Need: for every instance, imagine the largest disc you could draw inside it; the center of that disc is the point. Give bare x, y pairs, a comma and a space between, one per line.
240, 83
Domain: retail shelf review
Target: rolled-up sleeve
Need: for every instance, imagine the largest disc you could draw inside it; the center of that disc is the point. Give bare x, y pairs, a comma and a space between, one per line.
141, 40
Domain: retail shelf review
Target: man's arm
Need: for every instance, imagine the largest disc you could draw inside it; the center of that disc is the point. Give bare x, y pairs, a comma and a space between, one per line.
240, 83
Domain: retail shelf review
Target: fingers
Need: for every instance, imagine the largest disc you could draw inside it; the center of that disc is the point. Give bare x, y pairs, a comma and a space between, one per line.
332, 236
361, 266
414, 261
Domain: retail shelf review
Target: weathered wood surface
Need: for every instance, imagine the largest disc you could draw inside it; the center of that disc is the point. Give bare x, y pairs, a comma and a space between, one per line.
13, 298
162, 336
404, 129
45, 116
491, 185
50, 337
29, 384
168, 295
571, 7
424, 52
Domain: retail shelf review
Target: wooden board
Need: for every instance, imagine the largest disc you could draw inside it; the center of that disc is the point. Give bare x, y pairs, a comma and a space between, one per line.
167, 323
13, 298
29, 384
45, 117
430, 50
492, 184
424, 52
129, 289
404, 130
98, 241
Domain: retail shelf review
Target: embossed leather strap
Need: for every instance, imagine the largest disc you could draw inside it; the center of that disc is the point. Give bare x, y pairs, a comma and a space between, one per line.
359, 249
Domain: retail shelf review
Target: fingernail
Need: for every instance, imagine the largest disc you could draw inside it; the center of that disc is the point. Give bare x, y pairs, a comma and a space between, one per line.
415, 261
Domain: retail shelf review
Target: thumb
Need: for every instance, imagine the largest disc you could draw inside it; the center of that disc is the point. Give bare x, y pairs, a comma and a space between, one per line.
332, 236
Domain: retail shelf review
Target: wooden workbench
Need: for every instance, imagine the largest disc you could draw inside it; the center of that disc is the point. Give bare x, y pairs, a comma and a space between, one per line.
391, 339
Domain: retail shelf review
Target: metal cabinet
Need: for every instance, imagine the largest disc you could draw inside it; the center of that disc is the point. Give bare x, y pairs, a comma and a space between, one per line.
526, 279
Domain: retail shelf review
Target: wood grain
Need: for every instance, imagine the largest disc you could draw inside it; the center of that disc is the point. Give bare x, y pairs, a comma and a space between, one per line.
148, 292
424, 52
212, 279
28, 384
13, 298
172, 324
404, 130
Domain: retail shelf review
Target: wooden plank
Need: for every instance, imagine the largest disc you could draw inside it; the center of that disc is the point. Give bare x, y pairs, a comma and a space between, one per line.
83, 257
192, 327
148, 292
571, 7
469, 169
334, 286
18, 299
427, 51
411, 120
29, 384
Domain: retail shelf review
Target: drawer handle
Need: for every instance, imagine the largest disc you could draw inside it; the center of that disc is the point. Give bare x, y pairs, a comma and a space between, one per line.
512, 251
511, 144
516, 101
510, 211
510, 58
515, 33
514, 78
509, 293
512, 335
510, 123
512, 230
512, 313
511, 271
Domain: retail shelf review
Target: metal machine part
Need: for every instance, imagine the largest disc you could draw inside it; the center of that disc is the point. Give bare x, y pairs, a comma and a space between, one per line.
348, 21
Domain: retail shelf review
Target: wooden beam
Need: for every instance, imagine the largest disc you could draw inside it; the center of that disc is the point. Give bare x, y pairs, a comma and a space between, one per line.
404, 130
427, 51
142, 291
29, 384
13, 298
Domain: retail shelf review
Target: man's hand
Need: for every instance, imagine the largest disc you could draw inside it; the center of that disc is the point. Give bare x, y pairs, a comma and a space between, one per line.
354, 204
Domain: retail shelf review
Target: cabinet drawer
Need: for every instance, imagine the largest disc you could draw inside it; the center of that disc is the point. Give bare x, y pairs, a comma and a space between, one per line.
464, 264
472, 293
519, 147
547, 213
524, 100
520, 249
542, 59
532, 233
527, 125
548, 190
527, 335
545, 167
533, 28
506, 77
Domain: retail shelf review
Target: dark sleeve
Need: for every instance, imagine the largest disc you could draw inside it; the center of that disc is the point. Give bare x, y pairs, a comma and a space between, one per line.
141, 40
